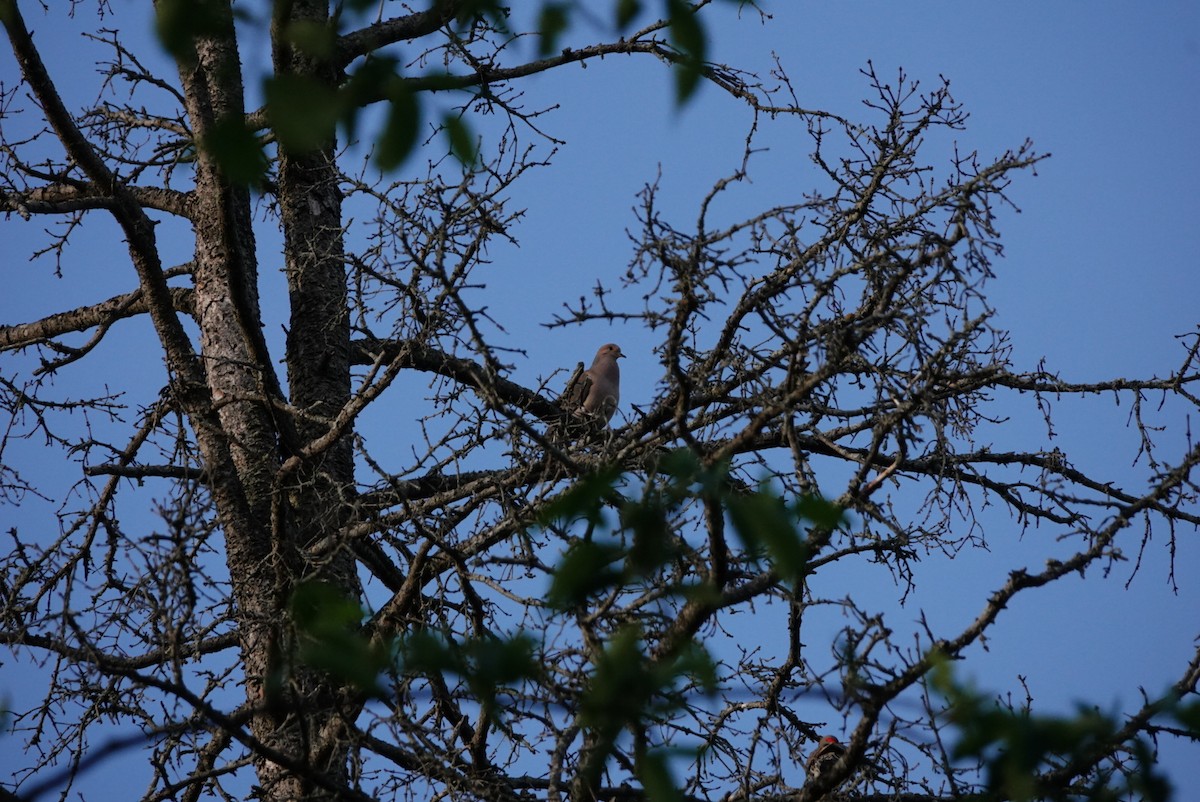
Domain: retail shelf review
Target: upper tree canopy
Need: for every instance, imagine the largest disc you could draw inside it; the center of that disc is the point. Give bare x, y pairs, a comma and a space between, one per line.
385, 558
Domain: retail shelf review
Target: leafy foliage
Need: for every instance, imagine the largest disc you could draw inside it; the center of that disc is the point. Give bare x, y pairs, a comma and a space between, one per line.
1018, 747
330, 637
304, 111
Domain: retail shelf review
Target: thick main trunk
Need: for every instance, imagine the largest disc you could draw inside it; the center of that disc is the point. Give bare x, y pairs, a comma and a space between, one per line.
301, 712
237, 368
318, 364
318, 343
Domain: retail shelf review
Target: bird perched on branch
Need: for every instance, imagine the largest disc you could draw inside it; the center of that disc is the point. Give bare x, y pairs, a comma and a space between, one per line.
595, 392
824, 757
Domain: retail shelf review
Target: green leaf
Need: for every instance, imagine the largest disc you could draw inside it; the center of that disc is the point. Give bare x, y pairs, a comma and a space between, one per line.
347, 657
312, 38
621, 685
467, 11
375, 78
401, 129
689, 38
626, 12
694, 662
682, 463
823, 514
494, 663
653, 544
625, 684
1189, 716
330, 638
319, 606
687, 80
303, 111
1015, 746
179, 23
462, 141
586, 568
626, 690
425, 652
237, 150
586, 498
689, 474
686, 32
655, 775
764, 524
486, 663
553, 20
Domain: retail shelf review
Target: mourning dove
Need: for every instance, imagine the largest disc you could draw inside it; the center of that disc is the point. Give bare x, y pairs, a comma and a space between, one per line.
598, 388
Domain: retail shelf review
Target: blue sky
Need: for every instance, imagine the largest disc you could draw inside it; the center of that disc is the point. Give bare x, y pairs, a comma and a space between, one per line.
1099, 273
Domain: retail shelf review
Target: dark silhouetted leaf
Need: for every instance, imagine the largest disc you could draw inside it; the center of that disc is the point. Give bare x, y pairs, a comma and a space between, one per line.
682, 463
689, 38
426, 652
822, 513
626, 12
621, 685
179, 23
375, 78
487, 663
585, 569
766, 526
654, 772
586, 498
653, 543
494, 663
462, 141
303, 111
1016, 746
495, 11
237, 150
695, 663
315, 39
1189, 716
552, 22
328, 625
401, 129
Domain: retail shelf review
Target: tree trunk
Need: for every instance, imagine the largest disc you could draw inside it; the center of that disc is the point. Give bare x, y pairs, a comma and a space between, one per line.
298, 719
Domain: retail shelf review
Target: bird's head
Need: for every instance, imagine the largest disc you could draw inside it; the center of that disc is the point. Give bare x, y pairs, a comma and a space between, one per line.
612, 350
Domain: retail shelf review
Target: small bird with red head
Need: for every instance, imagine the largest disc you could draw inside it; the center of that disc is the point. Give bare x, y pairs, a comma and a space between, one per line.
824, 757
